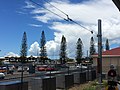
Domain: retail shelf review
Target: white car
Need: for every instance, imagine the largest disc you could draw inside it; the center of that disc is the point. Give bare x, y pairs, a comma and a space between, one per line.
20, 69
83, 67
2, 75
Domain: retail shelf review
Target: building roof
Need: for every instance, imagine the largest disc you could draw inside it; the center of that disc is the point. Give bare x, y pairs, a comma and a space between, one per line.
112, 52
115, 51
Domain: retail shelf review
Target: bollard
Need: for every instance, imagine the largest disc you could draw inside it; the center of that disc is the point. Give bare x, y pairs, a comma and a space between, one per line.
44, 83
64, 81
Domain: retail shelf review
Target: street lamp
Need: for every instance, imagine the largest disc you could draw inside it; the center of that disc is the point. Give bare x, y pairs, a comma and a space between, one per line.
117, 3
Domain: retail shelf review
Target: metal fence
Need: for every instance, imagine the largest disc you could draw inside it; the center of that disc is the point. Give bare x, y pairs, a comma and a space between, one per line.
48, 80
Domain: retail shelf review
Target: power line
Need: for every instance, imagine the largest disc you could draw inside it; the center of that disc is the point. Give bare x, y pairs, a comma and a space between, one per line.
79, 25
68, 19
55, 7
47, 9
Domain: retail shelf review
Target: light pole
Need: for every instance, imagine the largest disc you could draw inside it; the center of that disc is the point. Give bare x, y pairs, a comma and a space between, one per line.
99, 51
117, 3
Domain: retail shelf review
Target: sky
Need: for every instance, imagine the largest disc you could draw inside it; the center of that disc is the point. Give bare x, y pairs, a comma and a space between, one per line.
19, 16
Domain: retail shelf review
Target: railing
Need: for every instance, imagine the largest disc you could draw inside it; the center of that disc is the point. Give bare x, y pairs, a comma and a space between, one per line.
52, 79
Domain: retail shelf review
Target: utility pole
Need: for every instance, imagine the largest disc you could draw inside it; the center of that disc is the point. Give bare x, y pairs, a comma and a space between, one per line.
99, 51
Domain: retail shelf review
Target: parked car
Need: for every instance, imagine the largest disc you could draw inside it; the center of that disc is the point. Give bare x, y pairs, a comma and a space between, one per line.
2, 75
20, 69
61, 67
81, 66
3, 69
10, 69
50, 68
42, 68
26, 68
46, 68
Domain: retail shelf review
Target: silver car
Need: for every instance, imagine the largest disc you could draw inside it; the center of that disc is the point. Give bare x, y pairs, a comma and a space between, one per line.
2, 75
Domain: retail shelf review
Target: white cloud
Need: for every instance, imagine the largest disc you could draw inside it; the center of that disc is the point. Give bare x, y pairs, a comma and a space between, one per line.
72, 33
11, 54
35, 25
111, 29
52, 49
29, 5
34, 49
19, 12
42, 18
87, 14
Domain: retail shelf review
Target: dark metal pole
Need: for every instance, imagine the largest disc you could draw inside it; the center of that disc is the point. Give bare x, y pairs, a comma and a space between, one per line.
22, 78
87, 53
50, 68
22, 73
88, 71
68, 70
100, 50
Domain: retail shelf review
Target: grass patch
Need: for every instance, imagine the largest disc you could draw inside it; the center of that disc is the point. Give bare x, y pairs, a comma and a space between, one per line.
91, 85
96, 86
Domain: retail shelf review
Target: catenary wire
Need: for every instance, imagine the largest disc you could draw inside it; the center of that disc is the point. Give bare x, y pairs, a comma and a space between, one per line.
67, 16
79, 24
68, 19
47, 9
55, 7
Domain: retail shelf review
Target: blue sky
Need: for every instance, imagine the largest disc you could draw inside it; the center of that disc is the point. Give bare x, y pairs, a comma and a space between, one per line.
14, 20
17, 16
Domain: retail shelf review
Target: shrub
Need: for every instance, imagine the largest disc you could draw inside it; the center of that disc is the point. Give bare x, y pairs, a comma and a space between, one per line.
95, 85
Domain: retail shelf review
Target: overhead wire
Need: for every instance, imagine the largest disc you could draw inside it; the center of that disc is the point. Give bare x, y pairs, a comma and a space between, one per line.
79, 24
47, 9
55, 7
68, 18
